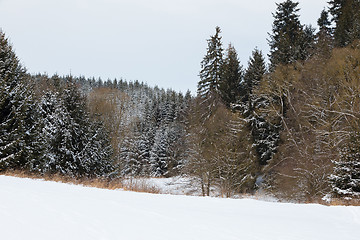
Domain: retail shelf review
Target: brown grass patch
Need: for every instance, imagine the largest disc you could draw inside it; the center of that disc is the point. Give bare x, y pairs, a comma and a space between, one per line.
344, 202
139, 185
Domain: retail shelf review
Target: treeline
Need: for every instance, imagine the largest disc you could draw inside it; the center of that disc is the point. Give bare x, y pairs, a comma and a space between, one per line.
290, 128
45, 126
147, 126
88, 128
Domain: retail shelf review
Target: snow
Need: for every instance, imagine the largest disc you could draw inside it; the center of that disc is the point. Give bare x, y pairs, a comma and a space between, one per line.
35, 209
178, 185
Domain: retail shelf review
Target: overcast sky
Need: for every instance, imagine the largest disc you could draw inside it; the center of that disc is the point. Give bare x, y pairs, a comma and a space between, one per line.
161, 42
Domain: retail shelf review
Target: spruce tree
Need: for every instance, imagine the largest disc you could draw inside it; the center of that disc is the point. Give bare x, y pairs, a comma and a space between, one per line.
265, 136
288, 41
97, 154
210, 73
324, 41
159, 155
231, 76
346, 16
345, 180
324, 23
307, 42
130, 164
14, 108
253, 75
36, 143
81, 146
53, 120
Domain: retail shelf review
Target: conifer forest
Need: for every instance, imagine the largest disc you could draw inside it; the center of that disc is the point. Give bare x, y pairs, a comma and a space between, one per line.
288, 126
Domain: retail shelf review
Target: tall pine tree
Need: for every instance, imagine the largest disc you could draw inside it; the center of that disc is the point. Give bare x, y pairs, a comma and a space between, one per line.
210, 73
253, 75
346, 16
324, 41
345, 180
288, 40
14, 108
231, 77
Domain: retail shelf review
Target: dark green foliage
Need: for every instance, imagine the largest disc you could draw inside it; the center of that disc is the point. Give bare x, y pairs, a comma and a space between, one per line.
324, 41
82, 146
289, 40
346, 178
36, 144
323, 22
152, 143
253, 75
346, 16
265, 136
210, 73
307, 43
14, 108
98, 152
231, 75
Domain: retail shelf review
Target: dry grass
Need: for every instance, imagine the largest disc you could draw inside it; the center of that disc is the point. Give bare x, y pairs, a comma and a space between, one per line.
344, 202
135, 185
139, 185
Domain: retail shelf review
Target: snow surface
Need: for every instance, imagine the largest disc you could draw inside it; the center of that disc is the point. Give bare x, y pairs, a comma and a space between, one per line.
35, 209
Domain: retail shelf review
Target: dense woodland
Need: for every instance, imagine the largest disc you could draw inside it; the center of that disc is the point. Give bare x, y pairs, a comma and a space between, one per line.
289, 127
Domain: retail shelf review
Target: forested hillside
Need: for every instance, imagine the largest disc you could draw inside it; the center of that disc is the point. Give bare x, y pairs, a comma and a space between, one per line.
289, 127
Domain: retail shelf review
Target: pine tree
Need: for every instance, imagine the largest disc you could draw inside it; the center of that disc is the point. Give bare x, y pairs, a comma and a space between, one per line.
265, 136
36, 142
159, 155
324, 23
231, 76
307, 43
80, 145
14, 104
210, 73
346, 178
324, 42
97, 154
53, 121
346, 16
130, 156
288, 41
253, 75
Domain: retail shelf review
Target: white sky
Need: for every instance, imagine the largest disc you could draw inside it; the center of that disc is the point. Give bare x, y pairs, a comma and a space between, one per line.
161, 42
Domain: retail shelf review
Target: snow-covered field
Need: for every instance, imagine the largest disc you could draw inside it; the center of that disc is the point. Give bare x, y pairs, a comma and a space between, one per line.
35, 209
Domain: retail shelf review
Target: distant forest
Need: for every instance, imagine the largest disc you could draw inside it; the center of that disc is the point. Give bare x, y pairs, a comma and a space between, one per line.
289, 128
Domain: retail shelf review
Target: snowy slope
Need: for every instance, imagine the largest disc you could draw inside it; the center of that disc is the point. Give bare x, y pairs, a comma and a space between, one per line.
34, 209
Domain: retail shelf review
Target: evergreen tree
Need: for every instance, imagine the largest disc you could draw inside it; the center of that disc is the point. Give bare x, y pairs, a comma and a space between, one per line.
231, 76
253, 75
36, 142
159, 155
346, 178
346, 16
288, 41
53, 121
324, 23
14, 108
307, 42
97, 154
265, 136
130, 164
81, 146
210, 73
324, 42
